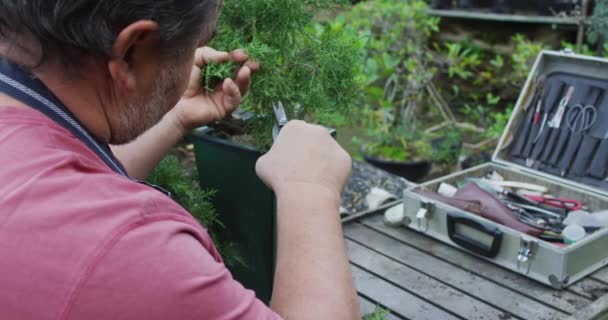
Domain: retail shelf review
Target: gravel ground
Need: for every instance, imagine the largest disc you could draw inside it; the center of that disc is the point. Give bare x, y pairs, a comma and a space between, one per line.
365, 177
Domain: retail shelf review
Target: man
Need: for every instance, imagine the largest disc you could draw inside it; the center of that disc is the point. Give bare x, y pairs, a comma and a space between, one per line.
82, 239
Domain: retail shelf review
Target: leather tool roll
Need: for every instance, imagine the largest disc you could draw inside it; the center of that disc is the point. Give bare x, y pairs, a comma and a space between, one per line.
560, 146
571, 149
526, 127
600, 161
584, 155
530, 143
493, 209
540, 144
551, 143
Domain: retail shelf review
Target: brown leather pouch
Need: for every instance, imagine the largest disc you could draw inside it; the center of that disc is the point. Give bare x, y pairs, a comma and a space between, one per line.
493, 209
475, 200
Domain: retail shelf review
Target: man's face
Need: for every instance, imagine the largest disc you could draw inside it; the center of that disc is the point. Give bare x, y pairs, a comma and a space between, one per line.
160, 90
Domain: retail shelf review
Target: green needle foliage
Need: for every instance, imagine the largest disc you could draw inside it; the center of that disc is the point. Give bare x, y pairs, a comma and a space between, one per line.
302, 63
214, 74
186, 191
377, 314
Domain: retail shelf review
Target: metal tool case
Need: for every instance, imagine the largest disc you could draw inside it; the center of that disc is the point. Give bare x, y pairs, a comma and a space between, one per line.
535, 258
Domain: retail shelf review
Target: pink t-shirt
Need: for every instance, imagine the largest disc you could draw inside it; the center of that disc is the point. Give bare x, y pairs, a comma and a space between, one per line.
78, 241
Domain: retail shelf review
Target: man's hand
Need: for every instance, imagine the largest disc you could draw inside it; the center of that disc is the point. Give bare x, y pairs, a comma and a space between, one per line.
197, 108
308, 170
305, 154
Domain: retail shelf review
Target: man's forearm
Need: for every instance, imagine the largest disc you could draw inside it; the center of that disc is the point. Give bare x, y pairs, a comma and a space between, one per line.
142, 155
313, 278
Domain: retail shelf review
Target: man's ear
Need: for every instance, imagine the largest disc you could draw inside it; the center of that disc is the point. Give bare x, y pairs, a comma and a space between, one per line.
138, 35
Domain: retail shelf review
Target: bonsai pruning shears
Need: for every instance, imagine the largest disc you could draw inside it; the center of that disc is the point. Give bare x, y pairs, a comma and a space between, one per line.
280, 119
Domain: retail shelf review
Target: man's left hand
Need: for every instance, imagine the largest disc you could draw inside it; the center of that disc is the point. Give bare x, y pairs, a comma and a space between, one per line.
197, 108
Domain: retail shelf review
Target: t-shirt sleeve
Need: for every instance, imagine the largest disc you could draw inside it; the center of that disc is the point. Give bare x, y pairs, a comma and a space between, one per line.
163, 270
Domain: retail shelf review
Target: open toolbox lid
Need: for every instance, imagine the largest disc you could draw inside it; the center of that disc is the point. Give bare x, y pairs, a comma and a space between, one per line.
557, 75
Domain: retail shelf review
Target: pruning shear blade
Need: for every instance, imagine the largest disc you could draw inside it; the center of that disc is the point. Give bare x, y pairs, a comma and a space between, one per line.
280, 119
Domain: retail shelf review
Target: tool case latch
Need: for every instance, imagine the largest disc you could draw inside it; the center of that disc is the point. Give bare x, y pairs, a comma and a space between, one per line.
525, 255
424, 214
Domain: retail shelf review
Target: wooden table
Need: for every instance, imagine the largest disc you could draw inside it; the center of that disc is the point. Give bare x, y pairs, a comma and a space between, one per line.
416, 277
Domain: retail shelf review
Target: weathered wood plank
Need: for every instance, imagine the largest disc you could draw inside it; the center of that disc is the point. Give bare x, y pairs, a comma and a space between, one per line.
422, 286
589, 288
399, 301
367, 307
476, 286
601, 275
595, 311
562, 300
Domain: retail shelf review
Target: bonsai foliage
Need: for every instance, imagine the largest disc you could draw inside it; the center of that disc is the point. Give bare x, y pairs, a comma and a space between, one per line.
396, 70
186, 191
310, 68
599, 22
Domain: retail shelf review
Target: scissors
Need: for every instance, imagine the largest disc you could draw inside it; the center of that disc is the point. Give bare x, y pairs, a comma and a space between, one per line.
581, 118
280, 119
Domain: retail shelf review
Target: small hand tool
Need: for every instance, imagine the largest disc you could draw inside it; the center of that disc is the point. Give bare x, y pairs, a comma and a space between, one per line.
555, 124
546, 138
580, 119
280, 119
517, 185
562, 203
530, 119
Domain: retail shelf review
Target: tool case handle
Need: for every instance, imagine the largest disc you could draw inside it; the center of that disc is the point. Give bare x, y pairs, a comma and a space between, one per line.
473, 245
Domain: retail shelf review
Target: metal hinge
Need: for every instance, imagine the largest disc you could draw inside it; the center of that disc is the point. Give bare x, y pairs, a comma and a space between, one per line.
424, 214
525, 255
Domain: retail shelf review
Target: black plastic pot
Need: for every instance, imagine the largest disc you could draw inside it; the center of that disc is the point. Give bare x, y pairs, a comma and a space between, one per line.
246, 207
411, 170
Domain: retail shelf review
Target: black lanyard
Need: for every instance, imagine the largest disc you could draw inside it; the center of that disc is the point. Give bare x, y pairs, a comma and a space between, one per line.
23, 86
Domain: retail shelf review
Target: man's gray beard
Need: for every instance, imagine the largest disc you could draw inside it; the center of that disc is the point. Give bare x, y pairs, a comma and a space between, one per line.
142, 115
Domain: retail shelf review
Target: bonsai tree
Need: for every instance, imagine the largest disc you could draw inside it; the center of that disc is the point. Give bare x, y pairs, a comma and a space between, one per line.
308, 67
396, 70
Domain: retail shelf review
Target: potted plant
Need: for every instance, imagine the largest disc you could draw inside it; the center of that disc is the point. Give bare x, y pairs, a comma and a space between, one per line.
311, 70
396, 72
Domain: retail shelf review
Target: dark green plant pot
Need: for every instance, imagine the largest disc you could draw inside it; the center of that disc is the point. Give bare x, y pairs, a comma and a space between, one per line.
246, 207
410, 170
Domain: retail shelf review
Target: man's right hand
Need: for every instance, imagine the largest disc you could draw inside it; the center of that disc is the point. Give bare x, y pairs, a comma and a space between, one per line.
305, 154
307, 169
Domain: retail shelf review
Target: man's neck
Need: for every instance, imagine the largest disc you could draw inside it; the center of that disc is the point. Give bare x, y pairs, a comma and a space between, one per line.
8, 101
81, 96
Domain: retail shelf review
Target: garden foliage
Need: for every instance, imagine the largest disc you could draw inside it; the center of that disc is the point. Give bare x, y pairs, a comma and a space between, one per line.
310, 68
599, 23
396, 69
185, 190
482, 84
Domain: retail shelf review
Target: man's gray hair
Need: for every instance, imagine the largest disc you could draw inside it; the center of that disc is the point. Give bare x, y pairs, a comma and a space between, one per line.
71, 29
